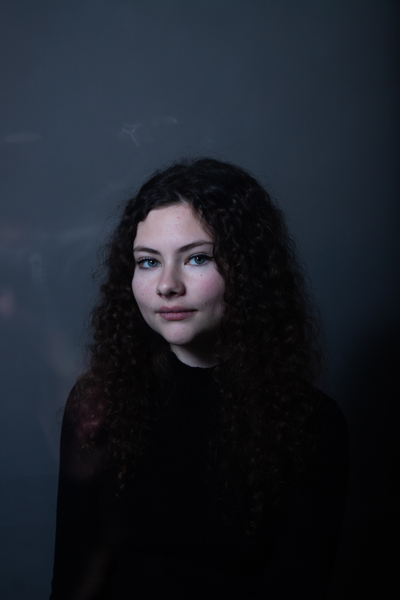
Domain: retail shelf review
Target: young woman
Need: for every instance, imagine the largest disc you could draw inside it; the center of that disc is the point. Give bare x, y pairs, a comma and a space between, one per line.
198, 460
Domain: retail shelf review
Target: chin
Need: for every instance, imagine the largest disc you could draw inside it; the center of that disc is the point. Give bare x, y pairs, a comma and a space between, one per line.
178, 340
177, 334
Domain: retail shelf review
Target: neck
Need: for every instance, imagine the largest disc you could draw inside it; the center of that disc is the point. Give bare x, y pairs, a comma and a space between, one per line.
197, 358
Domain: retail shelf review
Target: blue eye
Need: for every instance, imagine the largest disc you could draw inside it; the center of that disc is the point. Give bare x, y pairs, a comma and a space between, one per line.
199, 259
147, 263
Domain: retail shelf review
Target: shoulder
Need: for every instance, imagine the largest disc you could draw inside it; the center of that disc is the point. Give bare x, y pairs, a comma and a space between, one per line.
71, 413
332, 433
80, 454
72, 403
330, 417
84, 410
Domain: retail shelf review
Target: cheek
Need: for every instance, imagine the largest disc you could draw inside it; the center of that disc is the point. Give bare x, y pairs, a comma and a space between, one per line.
139, 291
134, 287
212, 289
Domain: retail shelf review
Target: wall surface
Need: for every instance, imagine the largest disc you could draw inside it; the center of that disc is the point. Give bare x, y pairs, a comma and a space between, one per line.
94, 95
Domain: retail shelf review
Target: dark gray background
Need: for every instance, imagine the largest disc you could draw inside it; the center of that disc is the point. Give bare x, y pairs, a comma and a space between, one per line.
94, 96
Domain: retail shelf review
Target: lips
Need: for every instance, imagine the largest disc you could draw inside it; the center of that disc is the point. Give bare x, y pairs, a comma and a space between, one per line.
175, 309
175, 313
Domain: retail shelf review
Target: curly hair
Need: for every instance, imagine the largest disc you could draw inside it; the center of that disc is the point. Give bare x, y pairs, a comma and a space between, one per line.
267, 346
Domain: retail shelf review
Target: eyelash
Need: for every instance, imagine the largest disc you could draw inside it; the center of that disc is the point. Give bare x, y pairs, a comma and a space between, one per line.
141, 261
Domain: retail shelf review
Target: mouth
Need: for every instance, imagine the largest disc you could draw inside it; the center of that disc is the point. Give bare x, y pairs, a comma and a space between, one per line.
175, 313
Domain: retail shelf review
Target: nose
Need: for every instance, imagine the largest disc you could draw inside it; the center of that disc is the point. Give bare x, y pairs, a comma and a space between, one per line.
170, 283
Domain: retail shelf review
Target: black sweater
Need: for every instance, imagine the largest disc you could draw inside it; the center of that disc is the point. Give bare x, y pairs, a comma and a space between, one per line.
169, 537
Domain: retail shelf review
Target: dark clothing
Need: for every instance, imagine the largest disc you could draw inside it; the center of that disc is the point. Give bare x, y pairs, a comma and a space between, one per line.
167, 536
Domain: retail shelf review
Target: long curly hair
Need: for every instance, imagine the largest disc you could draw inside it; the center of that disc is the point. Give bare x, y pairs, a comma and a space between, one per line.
267, 346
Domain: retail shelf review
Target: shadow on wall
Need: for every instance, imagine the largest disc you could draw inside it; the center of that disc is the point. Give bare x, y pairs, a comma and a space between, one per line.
367, 557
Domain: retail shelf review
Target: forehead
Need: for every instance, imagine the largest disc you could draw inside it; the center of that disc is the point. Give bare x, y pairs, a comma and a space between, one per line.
171, 222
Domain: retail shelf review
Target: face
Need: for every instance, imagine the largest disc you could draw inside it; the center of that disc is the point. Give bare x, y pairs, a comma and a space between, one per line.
176, 285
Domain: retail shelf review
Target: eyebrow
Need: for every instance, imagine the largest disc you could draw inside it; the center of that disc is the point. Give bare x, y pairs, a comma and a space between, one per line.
183, 249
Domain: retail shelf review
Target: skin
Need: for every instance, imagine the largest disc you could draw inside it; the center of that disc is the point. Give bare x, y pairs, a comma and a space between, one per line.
169, 276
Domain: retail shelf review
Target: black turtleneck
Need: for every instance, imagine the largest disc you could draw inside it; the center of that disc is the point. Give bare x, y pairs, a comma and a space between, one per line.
168, 536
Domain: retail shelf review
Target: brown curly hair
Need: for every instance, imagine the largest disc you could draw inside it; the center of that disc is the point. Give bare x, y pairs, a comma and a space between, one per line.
267, 340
